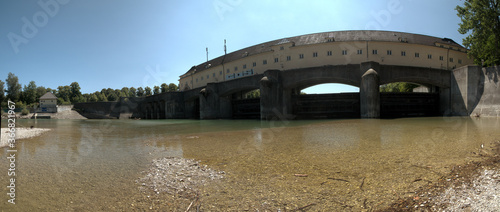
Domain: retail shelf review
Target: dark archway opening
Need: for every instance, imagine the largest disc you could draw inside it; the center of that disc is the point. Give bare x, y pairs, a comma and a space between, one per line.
246, 104
402, 99
326, 101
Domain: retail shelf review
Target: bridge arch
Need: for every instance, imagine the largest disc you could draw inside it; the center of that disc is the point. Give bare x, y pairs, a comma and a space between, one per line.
307, 77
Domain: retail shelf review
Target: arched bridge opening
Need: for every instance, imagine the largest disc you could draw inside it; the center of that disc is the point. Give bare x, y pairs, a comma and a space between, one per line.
404, 99
246, 104
326, 100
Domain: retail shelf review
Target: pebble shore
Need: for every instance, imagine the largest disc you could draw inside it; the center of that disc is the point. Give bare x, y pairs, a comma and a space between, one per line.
483, 194
178, 176
21, 133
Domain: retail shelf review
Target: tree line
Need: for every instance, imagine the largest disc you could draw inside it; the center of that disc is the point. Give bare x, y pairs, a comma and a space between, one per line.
29, 95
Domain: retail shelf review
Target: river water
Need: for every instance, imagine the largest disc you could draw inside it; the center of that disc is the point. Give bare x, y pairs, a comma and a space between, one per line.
358, 164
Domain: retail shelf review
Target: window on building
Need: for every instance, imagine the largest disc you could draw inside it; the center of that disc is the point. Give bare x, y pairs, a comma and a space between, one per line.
254, 64
344, 52
429, 56
459, 61
374, 51
403, 53
276, 60
441, 58
201, 78
227, 71
329, 53
288, 58
315, 54
213, 75
282, 48
220, 73
264, 62
236, 68
245, 66
196, 79
451, 59
301, 56
417, 54
208, 76
389, 52
360, 51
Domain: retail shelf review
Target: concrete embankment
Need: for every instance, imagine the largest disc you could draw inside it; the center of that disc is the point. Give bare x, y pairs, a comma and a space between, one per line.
489, 89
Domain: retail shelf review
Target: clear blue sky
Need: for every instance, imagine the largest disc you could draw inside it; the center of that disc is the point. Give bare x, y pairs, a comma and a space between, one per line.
125, 43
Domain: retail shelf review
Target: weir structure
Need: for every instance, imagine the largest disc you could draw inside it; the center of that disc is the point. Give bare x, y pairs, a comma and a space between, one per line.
280, 69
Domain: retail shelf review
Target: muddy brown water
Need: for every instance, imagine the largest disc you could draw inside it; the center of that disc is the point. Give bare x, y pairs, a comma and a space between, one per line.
93, 165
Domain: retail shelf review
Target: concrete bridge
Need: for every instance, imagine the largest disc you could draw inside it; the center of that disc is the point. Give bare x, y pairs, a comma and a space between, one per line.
455, 92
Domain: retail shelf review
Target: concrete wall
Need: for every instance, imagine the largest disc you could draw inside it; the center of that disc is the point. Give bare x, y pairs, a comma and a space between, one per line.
61, 108
489, 91
475, 91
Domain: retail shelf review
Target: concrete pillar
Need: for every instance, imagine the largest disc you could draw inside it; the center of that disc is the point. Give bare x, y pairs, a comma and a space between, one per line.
370, 95
271, 95
209, 102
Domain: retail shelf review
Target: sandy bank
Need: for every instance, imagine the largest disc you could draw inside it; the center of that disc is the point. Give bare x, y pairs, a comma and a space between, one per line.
21, 133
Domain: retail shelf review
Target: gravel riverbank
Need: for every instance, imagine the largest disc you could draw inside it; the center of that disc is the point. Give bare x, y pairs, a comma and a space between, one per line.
474, 186
21, 133
178, 176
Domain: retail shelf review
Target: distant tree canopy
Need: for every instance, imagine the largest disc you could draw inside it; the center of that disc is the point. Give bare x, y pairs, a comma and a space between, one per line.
172, 87
2, 91
398, 87
30, 94
481, 18
13, 87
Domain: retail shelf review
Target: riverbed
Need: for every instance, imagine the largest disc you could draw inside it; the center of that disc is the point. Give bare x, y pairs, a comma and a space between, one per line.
320, 165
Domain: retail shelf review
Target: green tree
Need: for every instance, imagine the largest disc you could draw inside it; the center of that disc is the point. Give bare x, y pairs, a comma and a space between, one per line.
92, 98
147, 91
40, 91
126, 92
172, 87
132, 92
164, 87
75, 93
156, 89
2, 91
481, 18
140, 91
29, 93
112, 97
253, 94
13, 87
100, 96
64, 92
398, 87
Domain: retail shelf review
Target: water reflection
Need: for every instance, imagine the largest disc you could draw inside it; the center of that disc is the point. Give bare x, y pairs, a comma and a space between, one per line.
96, 162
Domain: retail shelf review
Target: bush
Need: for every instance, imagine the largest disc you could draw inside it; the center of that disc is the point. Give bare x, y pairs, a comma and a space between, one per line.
25, 112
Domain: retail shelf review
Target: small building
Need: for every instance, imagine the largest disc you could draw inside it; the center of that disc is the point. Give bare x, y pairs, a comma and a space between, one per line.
48, 103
